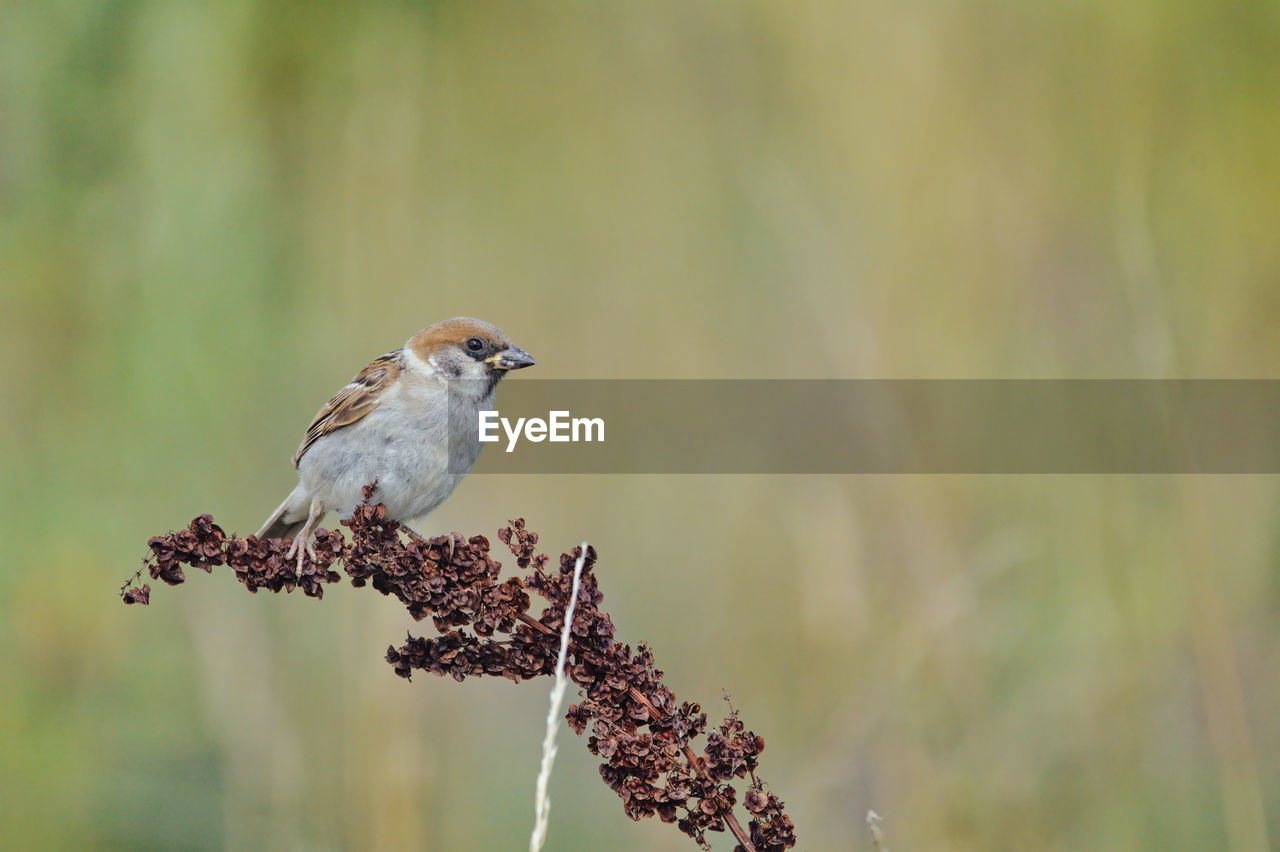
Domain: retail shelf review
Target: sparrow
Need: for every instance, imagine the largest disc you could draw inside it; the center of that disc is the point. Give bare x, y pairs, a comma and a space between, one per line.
407, 424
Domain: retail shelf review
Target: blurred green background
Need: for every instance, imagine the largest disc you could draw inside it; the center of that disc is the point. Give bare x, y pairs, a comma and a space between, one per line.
212, 215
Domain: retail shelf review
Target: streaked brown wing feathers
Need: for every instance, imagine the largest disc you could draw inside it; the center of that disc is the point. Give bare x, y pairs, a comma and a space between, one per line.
361, 395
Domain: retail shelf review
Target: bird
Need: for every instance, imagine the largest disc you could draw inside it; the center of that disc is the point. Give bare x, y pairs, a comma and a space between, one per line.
406, 424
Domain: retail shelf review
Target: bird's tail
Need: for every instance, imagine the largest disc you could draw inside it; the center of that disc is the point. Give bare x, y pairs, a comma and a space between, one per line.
282, 523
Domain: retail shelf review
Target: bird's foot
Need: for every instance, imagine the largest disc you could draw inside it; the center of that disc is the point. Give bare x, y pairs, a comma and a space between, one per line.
301, 546
454, 540
301, 551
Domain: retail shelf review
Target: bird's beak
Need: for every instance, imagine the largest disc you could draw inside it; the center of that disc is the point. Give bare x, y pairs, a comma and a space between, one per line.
511, 358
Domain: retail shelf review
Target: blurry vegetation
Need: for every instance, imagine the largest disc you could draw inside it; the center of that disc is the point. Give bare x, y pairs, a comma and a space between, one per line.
212, 215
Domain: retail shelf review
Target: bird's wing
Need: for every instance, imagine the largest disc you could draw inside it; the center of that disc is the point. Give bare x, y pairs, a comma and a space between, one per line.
361, 395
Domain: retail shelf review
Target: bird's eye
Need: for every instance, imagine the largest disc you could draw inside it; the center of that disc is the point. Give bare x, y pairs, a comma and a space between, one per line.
475, 344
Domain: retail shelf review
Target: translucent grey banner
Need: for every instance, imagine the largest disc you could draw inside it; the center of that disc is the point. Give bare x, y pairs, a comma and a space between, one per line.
928, 426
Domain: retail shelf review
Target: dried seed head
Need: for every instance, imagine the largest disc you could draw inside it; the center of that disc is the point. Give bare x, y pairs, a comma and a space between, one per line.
645, 738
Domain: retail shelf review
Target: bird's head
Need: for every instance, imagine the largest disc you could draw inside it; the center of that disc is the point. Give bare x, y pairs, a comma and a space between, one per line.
468, 351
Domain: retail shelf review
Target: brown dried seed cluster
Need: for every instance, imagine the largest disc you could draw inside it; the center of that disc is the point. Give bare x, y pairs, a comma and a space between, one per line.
638, 729
257, 563
140, 595
199, 545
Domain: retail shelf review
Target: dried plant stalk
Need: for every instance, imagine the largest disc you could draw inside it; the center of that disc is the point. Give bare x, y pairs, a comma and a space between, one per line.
542, 802
643, 736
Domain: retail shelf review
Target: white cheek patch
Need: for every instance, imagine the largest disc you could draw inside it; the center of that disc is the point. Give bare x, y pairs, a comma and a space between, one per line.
444, 371
413, 362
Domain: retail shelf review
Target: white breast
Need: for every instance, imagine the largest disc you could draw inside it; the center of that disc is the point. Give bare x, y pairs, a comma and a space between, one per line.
414, 445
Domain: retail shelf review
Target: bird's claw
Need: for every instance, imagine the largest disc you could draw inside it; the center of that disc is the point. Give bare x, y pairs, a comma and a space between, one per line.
455, 540
302, 552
